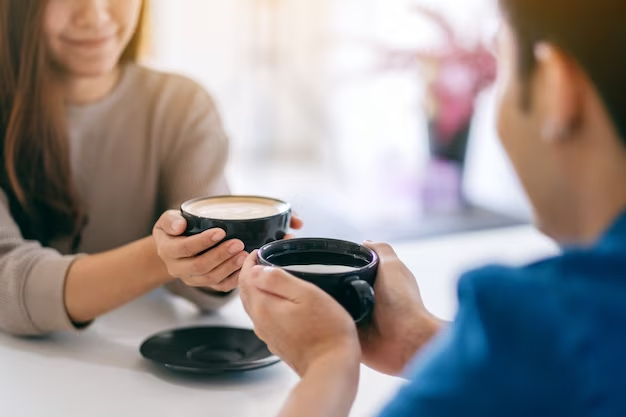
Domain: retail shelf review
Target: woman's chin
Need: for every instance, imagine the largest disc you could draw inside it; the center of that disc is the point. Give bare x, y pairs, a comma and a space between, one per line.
92, 68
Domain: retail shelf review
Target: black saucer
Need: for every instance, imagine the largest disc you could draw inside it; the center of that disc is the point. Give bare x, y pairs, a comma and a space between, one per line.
208, 350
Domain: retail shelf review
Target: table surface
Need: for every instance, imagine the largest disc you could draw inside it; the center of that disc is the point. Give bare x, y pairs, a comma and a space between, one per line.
100, 372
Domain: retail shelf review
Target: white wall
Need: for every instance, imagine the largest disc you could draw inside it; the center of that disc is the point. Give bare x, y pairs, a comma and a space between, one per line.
490, 180
293, 81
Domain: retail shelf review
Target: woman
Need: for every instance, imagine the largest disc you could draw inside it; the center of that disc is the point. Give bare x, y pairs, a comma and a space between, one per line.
94, 148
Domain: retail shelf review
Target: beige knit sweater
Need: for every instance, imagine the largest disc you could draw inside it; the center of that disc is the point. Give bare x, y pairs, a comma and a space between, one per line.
154, 142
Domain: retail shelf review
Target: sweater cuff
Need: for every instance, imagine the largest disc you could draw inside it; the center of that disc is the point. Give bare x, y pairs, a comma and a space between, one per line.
44, 295
204, 301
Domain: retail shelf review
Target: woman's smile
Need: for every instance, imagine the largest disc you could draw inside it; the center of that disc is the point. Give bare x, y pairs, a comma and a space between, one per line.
89, 45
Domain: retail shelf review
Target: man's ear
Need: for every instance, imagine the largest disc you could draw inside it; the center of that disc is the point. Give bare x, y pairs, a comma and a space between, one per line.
558, 92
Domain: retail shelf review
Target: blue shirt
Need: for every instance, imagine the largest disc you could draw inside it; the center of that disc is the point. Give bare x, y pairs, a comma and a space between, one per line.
545, 340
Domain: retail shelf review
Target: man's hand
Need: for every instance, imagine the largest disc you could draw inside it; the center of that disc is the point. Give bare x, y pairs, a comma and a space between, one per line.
400, 324
298, 321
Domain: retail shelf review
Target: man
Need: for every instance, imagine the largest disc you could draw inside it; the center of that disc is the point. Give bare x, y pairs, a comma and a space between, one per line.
544, 340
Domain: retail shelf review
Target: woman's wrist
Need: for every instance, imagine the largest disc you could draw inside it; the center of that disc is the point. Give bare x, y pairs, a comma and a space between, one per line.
154, 263
99, 283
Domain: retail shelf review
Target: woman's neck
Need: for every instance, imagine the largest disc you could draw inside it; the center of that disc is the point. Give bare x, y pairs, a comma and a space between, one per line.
85, 90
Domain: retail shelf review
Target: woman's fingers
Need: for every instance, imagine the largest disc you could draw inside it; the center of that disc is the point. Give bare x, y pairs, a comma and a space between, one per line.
228, 284
296, 222
219, 277
205, 264
188, 247
171, 223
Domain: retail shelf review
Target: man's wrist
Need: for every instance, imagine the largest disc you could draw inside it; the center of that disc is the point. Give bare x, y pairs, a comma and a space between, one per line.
343, 369
425, 328
346, 362
328, 387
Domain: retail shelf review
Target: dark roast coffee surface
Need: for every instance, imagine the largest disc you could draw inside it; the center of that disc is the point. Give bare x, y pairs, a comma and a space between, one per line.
317, 257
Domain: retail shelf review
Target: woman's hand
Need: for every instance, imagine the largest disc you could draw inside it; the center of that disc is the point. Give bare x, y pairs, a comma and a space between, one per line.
217, 269
401, 325
298, 321
296, 224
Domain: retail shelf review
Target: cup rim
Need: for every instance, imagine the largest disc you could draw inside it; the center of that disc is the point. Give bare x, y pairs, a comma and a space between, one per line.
215, 197
373, 263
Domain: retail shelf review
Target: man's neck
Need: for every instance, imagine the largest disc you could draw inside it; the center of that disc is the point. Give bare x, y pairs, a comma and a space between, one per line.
593, 227
85, 90
600, 200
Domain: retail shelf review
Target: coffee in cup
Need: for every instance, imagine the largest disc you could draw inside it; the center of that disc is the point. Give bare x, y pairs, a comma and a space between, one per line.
235, 208
320, 269
254, 220
345, 270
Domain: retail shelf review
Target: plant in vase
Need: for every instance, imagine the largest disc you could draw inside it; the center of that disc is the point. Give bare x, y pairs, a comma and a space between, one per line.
453, 75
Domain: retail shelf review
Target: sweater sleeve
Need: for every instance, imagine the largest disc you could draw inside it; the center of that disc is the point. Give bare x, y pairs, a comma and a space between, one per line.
194, 162
32, 282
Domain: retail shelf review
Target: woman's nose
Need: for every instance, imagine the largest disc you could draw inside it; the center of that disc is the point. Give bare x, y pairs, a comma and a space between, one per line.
92, 13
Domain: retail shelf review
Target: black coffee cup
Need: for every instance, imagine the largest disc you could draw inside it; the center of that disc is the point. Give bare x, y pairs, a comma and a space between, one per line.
254, 220
345, 270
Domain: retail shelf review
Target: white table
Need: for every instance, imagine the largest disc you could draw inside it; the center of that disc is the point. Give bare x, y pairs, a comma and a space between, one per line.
100, 372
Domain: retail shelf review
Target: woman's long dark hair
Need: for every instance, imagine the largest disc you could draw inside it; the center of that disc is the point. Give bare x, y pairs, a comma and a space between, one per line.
35, 166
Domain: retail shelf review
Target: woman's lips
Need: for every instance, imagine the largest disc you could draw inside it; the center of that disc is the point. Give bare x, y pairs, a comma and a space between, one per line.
88, 44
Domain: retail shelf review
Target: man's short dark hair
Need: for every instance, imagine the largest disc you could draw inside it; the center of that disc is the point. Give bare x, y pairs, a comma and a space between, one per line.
592, 32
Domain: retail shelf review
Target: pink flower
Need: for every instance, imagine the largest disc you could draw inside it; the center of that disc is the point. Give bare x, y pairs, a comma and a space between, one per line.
454, 76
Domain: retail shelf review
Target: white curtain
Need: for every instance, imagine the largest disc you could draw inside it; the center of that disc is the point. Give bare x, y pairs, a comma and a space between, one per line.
263, 61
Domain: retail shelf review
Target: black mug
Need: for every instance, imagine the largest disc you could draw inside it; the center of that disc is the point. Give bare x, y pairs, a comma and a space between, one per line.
254, 220
345, 270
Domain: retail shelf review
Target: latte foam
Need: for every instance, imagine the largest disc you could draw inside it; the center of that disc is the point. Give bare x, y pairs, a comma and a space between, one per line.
235, 208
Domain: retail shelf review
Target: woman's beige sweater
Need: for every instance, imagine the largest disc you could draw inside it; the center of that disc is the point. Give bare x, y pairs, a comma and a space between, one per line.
154, 142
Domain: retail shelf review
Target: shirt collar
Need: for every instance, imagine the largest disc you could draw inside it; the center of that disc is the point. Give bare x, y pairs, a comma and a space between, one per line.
616, 235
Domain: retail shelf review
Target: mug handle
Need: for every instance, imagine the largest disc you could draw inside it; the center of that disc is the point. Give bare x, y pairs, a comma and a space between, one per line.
365, 294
